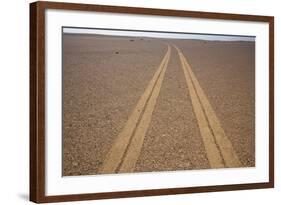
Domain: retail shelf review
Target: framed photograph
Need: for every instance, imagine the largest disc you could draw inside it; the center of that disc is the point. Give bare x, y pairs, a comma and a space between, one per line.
128, 102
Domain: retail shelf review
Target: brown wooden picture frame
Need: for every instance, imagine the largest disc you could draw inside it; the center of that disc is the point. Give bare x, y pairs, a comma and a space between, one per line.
37, 101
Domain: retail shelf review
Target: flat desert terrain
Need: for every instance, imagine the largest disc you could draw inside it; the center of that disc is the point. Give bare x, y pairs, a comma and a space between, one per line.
133, 104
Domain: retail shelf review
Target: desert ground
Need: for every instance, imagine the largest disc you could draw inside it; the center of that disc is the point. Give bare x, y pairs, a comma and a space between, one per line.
137, 104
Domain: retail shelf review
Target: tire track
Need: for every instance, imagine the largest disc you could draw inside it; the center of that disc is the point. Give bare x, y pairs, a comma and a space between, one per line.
126, 148
218, 147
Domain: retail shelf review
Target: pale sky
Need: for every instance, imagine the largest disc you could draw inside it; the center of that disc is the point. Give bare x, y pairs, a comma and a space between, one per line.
158, 35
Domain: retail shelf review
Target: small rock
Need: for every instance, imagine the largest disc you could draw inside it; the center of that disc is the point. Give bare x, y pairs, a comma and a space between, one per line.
75, 164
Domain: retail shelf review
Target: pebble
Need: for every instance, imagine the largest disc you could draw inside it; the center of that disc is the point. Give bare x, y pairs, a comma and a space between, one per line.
75, 164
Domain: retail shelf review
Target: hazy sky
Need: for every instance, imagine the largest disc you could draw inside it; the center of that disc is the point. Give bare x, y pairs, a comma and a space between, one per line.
159, 35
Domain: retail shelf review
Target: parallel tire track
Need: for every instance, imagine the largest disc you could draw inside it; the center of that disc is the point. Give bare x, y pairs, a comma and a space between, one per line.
126, 148
219, 149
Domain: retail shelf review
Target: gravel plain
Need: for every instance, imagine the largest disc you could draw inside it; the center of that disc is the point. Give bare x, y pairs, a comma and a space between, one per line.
104, 77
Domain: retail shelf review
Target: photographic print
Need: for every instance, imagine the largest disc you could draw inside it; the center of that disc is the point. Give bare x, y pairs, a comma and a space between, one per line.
131, 102
146, 101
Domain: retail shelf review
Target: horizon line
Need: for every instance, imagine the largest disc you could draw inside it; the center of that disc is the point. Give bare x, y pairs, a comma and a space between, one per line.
157, 34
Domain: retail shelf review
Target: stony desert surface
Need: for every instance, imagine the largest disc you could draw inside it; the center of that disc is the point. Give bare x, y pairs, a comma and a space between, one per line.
133, 104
